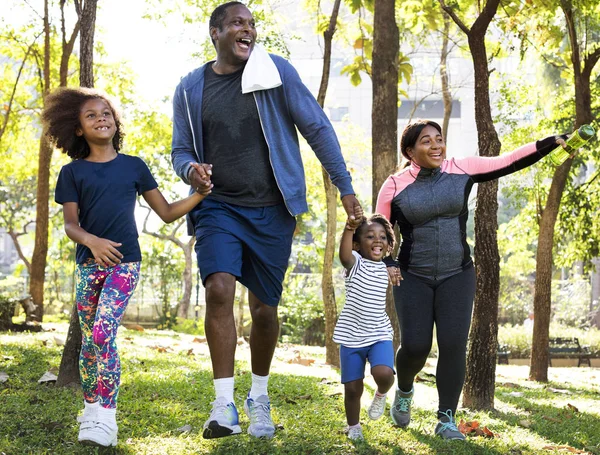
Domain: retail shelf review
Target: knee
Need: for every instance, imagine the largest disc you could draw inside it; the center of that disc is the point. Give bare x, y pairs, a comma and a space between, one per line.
220, 289
264, 316
382, 374
415, 351
353, 390
100, 337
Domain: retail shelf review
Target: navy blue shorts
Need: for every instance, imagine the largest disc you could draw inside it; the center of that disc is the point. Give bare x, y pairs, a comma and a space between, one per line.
251, 243
354, 360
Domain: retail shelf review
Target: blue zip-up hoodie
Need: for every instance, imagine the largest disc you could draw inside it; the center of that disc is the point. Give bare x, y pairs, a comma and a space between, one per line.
280, 111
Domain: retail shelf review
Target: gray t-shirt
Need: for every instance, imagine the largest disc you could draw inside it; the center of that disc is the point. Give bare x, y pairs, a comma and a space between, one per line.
234, 143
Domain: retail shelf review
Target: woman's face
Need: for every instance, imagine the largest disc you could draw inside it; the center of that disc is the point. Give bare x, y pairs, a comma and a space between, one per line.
429, 150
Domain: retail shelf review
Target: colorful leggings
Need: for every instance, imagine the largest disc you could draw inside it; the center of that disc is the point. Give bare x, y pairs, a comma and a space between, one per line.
102, 296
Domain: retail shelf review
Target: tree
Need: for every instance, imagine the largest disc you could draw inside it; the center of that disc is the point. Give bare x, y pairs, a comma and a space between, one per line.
479, 387
332, 355
583, 62
68, 372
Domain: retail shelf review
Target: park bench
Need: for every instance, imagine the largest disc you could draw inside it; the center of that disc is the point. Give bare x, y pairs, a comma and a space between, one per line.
568, 348
502, 354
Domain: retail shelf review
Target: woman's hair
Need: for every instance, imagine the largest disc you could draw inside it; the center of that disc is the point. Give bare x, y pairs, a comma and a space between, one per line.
411, 134
61, 120
376, 218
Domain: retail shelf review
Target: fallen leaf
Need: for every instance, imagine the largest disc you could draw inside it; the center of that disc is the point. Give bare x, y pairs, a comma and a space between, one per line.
488, 433
563, 391
241, 341
567, 448
572, 408
336, 394
551, 419
3, 377
137, 327
509, 385
425, 377
185, 429
525, 423
199, 340
290, 401
47, 377
190, 351
129, 338
304, 397
301, 361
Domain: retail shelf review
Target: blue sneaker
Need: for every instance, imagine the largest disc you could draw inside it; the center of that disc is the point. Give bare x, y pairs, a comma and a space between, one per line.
259, 413
446, 427
223, 420
400, 410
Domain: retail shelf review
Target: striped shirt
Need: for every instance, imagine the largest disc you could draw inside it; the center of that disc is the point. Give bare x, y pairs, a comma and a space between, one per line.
363, 320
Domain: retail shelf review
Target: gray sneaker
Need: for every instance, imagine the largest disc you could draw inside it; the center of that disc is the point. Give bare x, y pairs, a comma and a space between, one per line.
446, 428
400, 410
259, 413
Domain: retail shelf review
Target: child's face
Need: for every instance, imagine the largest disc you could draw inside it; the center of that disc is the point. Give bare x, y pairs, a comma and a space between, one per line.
372, 242
97, 122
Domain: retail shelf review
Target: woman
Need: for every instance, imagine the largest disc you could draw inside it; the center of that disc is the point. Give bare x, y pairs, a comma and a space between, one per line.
428, 200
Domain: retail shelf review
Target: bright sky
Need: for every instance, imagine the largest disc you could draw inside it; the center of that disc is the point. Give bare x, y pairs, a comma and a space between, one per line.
160, 55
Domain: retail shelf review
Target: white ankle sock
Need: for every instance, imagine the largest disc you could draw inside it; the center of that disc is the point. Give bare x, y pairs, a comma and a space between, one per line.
259, 386
108, 416
224, 388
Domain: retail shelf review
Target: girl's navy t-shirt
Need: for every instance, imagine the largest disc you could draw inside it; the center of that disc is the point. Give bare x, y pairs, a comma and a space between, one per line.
106, 194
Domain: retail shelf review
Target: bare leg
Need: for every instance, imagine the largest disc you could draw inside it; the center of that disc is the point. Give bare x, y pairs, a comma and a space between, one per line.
263, 334
384, 378
353, 390
219, 323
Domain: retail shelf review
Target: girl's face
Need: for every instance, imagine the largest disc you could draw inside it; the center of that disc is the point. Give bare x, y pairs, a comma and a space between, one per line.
372, 242
97, 122
429, 150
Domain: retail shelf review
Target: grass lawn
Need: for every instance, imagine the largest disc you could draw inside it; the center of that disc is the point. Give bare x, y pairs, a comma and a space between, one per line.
167, 390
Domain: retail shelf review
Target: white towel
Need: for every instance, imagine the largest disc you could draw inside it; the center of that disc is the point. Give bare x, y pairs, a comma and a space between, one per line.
260, 72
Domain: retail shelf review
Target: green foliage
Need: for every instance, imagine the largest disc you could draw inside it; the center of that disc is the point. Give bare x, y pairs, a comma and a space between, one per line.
189, 326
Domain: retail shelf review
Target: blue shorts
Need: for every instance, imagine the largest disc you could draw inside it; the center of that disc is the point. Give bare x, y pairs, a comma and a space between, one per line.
354, 360
251, 243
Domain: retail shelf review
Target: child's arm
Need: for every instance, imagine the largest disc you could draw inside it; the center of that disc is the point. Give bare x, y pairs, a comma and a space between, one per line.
346, 257
105, 251
169, 212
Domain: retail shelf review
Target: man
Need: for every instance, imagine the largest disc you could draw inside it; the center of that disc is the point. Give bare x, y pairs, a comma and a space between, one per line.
234, 128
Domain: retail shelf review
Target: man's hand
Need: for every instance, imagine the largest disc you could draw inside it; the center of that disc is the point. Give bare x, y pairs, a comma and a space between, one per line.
199, 177
352, 207
395, 275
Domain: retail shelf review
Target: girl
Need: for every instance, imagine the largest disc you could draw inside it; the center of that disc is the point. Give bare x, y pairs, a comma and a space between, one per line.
98, 191
363, 329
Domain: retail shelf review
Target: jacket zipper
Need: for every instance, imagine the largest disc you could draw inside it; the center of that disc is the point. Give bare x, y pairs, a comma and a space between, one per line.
187, 109
269, 149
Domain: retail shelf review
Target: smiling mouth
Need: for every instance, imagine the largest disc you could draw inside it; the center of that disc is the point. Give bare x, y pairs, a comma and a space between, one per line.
245, 42
102, 128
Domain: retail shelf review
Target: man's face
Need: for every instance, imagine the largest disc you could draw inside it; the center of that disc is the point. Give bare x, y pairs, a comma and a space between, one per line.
235, 41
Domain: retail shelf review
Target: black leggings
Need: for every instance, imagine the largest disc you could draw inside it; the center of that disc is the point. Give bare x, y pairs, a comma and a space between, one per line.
421, 302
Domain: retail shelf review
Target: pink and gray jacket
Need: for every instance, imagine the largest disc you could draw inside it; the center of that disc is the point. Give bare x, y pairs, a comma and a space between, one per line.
430, 207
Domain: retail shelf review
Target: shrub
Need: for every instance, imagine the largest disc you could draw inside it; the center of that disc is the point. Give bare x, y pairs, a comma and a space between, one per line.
189, 326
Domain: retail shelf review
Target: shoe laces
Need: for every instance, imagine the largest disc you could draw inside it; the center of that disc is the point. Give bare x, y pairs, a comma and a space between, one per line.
378, 402
403, 404
450, 424
219, 410
260, 412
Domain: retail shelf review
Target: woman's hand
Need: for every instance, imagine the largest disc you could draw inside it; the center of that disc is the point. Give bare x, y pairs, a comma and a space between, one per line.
395, 275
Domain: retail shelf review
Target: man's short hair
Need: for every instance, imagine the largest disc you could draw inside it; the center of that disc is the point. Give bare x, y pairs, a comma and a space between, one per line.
218, 15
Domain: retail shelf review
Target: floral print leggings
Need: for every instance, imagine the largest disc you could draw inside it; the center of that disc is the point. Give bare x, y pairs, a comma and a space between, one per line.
102, 295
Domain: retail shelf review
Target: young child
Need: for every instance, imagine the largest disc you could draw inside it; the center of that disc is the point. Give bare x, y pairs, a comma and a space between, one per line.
363, 329
98, 192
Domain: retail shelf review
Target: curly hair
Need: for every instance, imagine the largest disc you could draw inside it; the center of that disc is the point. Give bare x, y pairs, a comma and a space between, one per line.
376, 218
61, 120
411, 134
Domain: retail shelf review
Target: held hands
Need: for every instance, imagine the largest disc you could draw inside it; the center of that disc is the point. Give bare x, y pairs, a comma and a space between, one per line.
105, 252
199, 177
353, 210
395, 275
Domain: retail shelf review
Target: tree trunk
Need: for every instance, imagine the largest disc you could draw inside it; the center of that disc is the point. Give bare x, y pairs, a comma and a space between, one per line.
240, 314
384, 114
332, 355
184, 303
480, 378
40, 250
446, 95
68, 372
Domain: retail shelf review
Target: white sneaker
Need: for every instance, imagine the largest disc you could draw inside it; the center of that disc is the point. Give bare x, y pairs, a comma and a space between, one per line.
87, 420
223, 420
104, 433
259, 413
355, 434
377, 406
